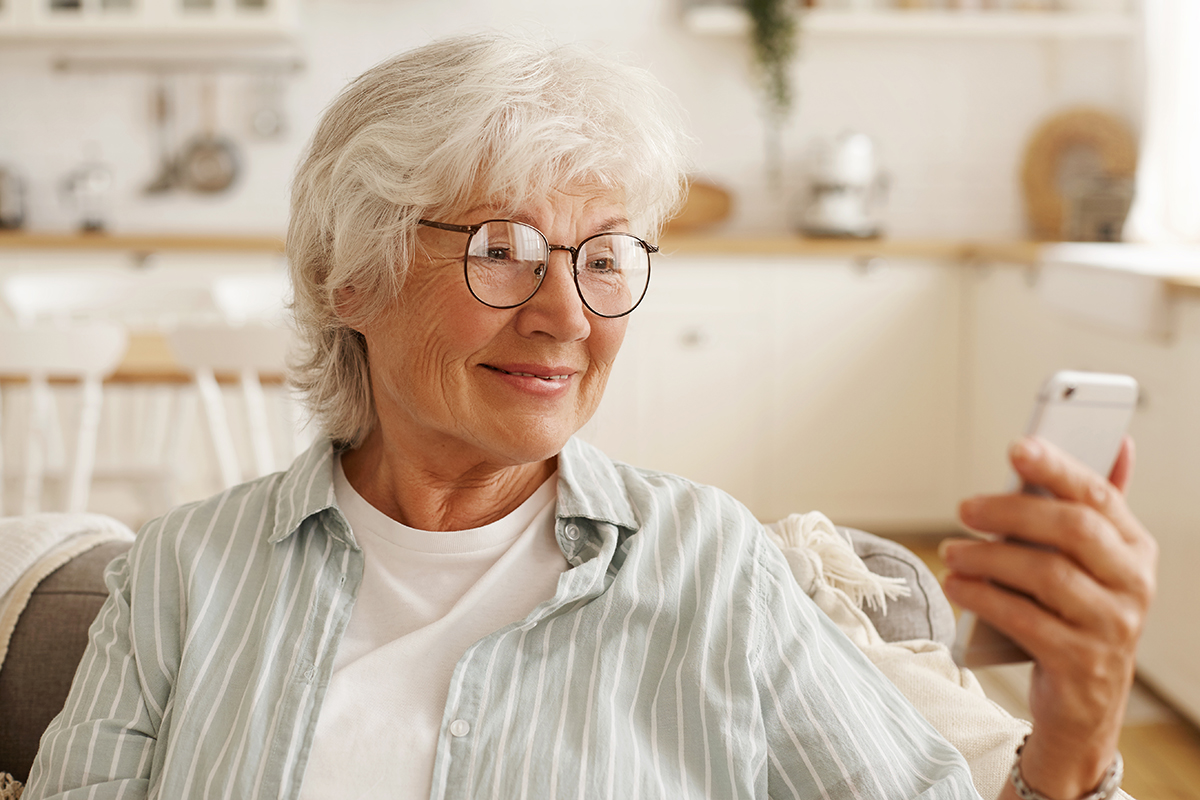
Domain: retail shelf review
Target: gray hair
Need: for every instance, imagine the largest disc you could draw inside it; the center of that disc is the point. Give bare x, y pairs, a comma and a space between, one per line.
481, 118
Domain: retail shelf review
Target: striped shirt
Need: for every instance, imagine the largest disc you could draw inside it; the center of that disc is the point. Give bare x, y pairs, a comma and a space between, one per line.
678, 658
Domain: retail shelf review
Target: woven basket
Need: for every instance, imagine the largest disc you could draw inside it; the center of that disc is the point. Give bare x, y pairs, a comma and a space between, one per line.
1105, 134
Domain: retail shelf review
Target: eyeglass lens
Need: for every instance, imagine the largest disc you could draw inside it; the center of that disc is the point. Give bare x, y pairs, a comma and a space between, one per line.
506, 262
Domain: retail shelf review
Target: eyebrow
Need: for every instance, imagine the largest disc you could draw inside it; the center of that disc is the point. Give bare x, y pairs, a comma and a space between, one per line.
612, 224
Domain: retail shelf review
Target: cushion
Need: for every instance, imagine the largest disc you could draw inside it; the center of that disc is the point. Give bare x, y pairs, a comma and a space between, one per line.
46, 647
925, 613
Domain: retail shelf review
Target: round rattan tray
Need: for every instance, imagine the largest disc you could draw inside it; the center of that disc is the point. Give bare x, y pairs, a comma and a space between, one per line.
1107, 135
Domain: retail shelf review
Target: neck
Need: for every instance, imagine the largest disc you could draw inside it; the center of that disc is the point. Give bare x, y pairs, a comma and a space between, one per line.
439, 496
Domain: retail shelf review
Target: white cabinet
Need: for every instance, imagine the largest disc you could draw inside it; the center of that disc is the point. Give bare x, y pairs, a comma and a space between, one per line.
863, 404
796, 384
1017, 341
101, 20
689, 392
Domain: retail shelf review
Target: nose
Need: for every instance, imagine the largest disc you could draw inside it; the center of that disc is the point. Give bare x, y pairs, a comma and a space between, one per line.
556, 309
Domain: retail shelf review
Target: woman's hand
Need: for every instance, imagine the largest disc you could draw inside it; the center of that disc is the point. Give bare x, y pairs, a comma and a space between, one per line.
1078, 609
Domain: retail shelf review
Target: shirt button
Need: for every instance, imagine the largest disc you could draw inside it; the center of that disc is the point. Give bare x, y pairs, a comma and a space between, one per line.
572, 531
460, 728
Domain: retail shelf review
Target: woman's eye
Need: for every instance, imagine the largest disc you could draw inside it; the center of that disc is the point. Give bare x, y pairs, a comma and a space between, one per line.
601, 264
498, 253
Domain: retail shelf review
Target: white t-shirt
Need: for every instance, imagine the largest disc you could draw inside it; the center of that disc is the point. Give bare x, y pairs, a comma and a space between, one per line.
426, 596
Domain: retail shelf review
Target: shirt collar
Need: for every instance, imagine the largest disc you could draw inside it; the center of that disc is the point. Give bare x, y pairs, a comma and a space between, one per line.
305, 489
589, 486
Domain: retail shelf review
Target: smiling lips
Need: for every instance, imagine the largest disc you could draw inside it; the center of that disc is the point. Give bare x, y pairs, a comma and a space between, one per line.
519, 374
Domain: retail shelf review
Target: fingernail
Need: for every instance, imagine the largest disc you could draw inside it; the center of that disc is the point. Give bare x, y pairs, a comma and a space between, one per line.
944, 548
1026, 449
967, 510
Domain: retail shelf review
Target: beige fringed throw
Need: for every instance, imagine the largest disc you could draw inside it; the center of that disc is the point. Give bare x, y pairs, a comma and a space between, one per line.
825, 565
9, 788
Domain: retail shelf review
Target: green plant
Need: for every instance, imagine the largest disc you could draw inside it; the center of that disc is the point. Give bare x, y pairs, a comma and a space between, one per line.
773, 32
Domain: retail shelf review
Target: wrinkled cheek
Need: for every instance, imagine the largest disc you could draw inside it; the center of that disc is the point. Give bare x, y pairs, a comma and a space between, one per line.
590, 394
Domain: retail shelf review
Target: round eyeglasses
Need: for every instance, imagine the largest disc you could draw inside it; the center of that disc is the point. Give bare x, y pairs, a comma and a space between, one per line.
506, 262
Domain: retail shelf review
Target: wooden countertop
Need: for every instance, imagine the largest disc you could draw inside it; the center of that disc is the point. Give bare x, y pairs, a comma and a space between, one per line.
1019, 252
148, 360
1185, 285
954, 249
138, 243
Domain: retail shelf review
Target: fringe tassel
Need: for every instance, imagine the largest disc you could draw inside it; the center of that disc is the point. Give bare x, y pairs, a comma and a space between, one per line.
821, 554
10, 789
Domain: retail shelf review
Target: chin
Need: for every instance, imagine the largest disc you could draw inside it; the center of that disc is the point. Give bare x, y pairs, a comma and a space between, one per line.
533, 441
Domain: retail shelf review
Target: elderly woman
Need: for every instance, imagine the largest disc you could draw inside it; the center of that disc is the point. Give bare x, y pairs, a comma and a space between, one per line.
450, 596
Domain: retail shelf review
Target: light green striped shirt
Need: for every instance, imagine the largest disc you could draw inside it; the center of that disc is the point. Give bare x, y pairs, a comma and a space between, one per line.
678, 658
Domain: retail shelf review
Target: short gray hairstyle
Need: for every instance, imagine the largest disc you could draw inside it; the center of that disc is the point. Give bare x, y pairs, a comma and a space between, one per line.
480, 118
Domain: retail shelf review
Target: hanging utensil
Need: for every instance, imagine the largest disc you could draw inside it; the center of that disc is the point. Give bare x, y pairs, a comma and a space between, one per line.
209, 163
267, 121
167, 176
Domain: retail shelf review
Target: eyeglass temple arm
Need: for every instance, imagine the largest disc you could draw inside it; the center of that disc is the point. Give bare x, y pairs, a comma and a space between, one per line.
446, 226
472, 229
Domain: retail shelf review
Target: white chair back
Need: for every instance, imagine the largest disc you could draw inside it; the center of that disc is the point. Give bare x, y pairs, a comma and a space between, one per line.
35, 354
251, 352
225, 348
252, 296
66, 294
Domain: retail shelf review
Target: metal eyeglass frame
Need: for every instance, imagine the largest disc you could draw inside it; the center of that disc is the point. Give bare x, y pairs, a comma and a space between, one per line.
471, 230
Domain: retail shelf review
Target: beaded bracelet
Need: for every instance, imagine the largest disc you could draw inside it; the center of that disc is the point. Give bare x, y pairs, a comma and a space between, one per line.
1107, 788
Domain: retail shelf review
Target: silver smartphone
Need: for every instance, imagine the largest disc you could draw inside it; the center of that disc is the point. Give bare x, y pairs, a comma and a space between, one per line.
1086, 414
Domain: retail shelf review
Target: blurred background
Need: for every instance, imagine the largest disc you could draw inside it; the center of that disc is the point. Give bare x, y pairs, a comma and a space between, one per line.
899, 224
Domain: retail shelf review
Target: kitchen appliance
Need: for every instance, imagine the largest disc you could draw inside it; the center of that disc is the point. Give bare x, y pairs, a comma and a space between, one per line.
12, 199
846, 191
87, 187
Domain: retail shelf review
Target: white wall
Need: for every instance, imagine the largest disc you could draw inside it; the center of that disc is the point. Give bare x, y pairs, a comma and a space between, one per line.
951, 116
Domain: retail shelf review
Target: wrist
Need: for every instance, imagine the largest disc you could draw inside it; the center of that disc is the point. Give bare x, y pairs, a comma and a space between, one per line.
1093, 782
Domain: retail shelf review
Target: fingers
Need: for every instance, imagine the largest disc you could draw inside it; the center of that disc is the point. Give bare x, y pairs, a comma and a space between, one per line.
1122, 471
1093, 565
1078, 531
1042, 464
1075, 601
1038, 631
1050, 586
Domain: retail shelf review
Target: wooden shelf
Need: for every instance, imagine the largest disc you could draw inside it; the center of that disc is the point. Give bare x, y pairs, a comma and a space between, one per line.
967, 251
718, 19
138, 243
40, 22
1015, 251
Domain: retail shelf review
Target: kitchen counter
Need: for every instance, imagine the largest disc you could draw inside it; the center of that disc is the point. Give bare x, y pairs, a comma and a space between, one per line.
692, 244
964, 250
139, 244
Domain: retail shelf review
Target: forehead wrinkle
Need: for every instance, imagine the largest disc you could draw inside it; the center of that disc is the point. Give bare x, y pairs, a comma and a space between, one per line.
616, 222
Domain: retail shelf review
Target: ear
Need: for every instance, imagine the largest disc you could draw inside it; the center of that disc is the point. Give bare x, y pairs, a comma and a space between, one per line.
347, 304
